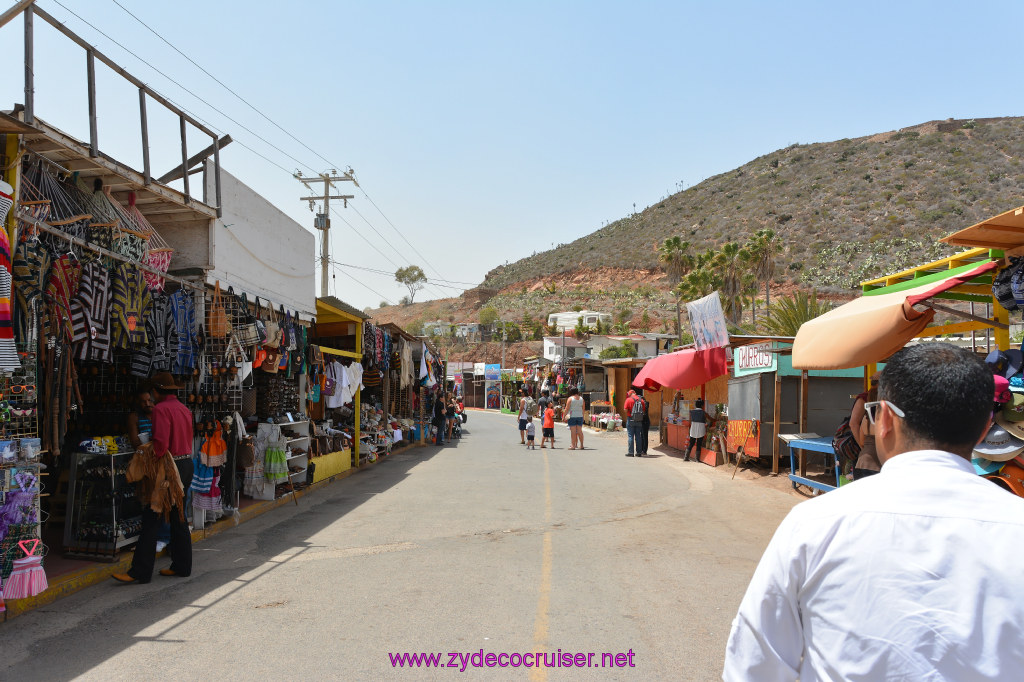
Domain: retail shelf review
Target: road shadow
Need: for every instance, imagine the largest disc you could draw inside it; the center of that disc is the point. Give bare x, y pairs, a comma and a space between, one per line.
154, 612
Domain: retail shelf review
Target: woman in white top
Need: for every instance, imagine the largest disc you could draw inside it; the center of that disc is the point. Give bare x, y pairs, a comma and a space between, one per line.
574, 409
698, 429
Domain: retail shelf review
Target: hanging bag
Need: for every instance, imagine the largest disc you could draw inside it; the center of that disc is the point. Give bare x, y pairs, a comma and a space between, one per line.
273, 329
330, 381
248, 329
245, 451
217, 324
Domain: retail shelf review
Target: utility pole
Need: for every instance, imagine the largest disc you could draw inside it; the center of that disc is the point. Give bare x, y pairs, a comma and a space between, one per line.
504, 337
322, 221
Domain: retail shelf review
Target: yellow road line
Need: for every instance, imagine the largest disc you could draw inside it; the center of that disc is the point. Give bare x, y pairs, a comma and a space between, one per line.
540, 627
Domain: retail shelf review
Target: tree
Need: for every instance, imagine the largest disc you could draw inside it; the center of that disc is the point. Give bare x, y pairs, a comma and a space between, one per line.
789, 312
677, 261
383, 304
513, 332
623, 350
764, 247
581, 331
645, 322
412, 277
488, 315
730, 263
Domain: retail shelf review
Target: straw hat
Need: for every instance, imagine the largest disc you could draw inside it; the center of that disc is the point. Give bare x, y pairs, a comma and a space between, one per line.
999, 445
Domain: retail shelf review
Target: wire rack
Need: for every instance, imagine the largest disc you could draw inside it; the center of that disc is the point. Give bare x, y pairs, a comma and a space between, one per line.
18, 388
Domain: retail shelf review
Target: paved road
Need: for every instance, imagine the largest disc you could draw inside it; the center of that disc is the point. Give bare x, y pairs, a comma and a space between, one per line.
478, 545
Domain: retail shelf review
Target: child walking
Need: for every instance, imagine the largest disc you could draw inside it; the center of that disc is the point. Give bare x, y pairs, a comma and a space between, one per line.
530, 431
549, 426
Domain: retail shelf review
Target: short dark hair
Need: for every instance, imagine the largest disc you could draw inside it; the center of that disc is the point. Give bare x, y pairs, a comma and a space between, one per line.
700, 401
576, 391
545, 392
945, 393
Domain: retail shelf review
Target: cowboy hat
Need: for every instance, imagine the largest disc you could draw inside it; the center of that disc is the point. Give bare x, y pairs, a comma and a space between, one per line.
164, 381
999, 445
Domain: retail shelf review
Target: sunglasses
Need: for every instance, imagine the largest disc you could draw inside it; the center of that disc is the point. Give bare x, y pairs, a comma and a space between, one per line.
870, 408
21, 388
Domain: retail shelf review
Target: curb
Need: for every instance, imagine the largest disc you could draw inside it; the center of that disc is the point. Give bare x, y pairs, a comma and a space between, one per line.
75, 581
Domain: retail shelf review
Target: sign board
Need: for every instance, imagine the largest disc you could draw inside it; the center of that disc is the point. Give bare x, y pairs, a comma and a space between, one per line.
754, 359
478, 369
492, 372
707, 322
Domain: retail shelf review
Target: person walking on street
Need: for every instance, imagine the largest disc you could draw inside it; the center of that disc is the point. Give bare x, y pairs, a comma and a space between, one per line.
549, 427
172, 437
574, 408
522, 416
449, 413
698, 429
910, 574
531, 433
542, 404
632, 427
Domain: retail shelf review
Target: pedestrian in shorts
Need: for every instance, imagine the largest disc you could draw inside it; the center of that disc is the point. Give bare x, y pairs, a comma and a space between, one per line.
531, 429
549, 427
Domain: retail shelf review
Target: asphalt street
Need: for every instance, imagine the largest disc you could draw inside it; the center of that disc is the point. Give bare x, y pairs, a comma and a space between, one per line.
477, 546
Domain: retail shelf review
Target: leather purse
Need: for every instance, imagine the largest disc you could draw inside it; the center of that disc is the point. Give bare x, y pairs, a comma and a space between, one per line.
272, 360
217, 324
273, 328
245, 451
330, 384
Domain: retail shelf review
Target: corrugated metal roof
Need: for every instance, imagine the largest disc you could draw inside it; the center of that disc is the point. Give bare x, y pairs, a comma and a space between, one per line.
336, 302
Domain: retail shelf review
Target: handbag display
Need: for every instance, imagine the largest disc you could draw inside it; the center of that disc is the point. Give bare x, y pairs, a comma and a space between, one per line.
272, 360
245, 451
273, 328
250, 330
330, 384
292, 331
217, 324
313, 352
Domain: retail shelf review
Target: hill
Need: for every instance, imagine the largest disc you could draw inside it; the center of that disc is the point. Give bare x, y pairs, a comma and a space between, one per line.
845, 210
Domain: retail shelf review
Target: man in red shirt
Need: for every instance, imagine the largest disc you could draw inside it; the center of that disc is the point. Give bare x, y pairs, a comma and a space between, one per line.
172, 437
632, 433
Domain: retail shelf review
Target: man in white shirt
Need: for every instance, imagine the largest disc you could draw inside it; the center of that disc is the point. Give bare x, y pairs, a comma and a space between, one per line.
913, 574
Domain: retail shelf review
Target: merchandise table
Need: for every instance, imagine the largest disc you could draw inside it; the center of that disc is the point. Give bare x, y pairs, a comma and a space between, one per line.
823, 445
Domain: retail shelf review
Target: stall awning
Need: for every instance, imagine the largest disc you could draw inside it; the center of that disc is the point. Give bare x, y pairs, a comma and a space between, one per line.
873, 327
1004, 231
681, 370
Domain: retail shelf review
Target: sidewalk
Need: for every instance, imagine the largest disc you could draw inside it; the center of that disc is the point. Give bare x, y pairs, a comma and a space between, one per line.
74, 575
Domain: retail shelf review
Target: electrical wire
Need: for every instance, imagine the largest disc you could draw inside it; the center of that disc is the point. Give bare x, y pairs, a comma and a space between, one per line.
256, 135
434, 283
391, 274
364, 285
282, 129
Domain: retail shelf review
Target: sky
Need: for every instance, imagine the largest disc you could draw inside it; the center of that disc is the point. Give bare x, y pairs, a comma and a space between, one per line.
482, 132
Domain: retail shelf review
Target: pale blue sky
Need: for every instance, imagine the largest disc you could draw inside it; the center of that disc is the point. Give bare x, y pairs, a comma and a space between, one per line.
486, 131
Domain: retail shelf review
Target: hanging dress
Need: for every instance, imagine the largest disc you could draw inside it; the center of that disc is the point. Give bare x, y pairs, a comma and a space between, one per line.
90, 315
183, 312
130, 307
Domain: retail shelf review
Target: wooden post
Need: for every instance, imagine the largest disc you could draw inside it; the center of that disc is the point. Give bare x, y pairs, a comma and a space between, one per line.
216, 177
776, 417
30, 85
1002, 335
357, 405
90, 71
147, 176
184, 164
803, 417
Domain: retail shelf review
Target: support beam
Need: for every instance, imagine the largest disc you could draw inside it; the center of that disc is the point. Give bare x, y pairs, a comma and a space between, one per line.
30, 83
184, 156
14, 11
147, 174
90, 70
776, 419
213, 149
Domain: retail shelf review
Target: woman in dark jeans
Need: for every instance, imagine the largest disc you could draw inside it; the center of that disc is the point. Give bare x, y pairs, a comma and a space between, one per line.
439, 418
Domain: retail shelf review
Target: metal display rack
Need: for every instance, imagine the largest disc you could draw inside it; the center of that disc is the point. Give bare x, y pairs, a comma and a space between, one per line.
103, 514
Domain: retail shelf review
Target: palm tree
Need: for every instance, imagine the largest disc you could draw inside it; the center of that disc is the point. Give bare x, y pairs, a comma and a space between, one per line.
677, 261
764, 247
730, 263
789, 312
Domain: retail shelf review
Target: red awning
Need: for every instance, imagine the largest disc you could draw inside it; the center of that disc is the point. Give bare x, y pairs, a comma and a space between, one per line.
683, 369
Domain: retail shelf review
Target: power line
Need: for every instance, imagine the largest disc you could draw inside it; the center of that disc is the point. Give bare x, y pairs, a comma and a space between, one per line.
363, 284
391, 274
256, 135
276, 125
222, 84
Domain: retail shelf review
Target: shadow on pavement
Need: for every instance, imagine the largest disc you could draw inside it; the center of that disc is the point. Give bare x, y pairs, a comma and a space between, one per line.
110, 630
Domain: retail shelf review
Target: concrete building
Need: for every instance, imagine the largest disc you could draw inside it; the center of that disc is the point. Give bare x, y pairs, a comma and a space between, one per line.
568, 320
554, 345
643, 347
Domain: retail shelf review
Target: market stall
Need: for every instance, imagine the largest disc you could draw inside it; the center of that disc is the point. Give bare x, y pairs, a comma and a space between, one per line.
898, 309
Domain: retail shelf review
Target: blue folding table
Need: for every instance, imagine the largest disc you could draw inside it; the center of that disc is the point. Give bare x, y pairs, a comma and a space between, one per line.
823, 445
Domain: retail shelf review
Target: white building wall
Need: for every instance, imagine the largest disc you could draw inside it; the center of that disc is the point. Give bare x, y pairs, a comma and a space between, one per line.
261, 251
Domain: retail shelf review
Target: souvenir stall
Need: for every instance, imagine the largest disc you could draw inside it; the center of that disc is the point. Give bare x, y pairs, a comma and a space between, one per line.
902, 308
400, 393
431, 381
334, 390
693, 373
378, 427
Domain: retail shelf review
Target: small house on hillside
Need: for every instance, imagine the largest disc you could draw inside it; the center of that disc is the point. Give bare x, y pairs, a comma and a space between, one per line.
569, 320
437, 328
554, 346
643, 347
